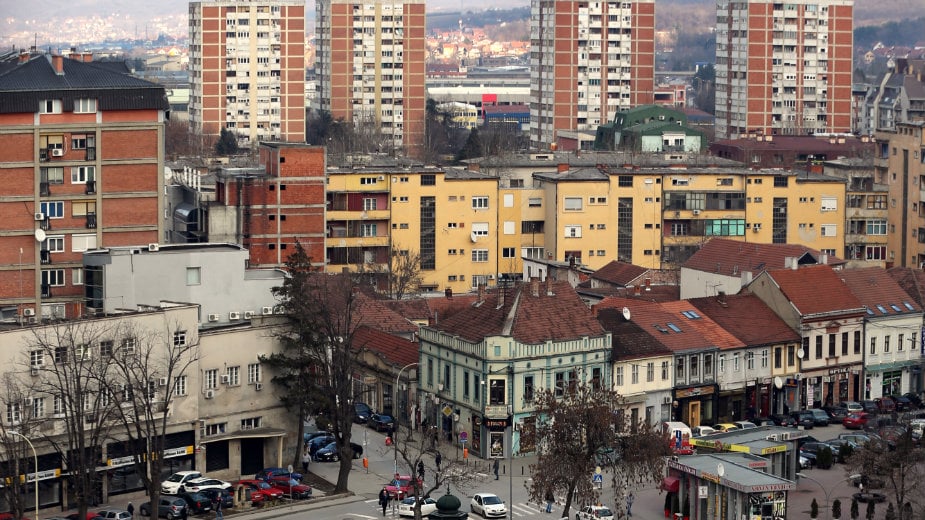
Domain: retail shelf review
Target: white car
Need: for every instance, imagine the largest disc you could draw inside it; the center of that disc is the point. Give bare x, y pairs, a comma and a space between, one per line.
406, 507
488, 505
702, 431
198, 484
594, 513
172, 485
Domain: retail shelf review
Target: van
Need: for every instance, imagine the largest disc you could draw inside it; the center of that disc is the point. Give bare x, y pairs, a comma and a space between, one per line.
917, 427
672, 429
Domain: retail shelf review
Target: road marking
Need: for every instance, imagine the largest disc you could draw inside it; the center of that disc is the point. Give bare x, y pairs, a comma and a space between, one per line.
524, 510
355, 515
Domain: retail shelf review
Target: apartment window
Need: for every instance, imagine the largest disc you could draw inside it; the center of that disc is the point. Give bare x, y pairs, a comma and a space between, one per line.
369, 204
53, 175
430, 372
475, 388
707, 365
465, 385
179, 387
52, 209
428, 180
650, 372
695, 368
735, 362
38, 407
572, 231
625, 181
211, 377
81, 243
844, 343
876, 227
82, 174
679, 372
535, 202
53, 277
253, 373
251, 423
619, 376
50, 106
764, 358
508, 252
54, 244
750, 361
721, 363
479, 202
480, 229
234, 375
819, 347
635, 374
573, 203
827, 230
77, 276
828, 203
528, 389
106, 349
664, 371
899, 342
211, 430
873, 346
831, 345
857, 341
193, 276
479, 255
597, 381
179, 338
368, 230
84, 106
886, 344
13, 413
57, 405
791, 352
496, 391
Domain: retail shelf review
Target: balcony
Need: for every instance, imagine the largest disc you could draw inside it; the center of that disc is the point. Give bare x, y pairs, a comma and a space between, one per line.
91, 220
46, 290
45, 223
90, 188
496, 410
45, 256
44, 189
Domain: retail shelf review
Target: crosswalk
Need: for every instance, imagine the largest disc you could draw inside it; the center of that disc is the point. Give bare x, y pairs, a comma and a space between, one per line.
519, 509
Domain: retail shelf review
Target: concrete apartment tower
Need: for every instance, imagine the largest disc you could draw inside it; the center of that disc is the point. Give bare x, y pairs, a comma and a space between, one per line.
783, 68
247, 69
588, 61
370, 68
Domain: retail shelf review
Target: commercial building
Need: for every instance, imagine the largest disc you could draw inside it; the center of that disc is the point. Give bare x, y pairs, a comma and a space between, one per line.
588, 61
371, 71
783, 68
247, 69
82, 156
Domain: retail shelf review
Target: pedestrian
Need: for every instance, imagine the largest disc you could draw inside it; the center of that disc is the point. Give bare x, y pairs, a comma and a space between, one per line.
629, 503
550, 498
495, 468
438, 459
306, 458
218, 508
384, 500
131, 510
421, 469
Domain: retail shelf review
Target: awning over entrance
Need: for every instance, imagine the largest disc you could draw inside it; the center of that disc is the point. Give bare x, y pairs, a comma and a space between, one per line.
256, 433
671, 484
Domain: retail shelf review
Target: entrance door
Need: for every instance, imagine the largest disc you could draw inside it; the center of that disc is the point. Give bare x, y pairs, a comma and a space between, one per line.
693, 413
251, 456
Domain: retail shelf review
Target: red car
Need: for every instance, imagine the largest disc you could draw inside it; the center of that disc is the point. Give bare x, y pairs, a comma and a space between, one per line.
856, 420
400, 486
291, 487
261, 490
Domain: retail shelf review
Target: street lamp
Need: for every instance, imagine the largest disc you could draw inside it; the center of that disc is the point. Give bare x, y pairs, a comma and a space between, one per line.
397, 416
36, 461
828, 492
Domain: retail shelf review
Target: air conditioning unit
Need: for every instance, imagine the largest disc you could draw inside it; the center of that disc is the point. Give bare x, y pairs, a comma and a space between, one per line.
39, 216
382, 177
666, 400
162, 381
785, 436
154, 247
491, 277
226, 379
33, 319
248, 315
210, 394
34, 370
213, 317
258, 386
774, 437
266, 311
696, 212
28, 311
234, 315
57, 152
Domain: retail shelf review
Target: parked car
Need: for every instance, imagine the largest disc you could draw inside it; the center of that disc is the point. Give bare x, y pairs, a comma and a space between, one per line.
170, 508
488, 505
780, 419
870, 406
702, 431
885, 405
858, 438
836, 445
853, 406
261, 488
174, 483
903, 403
400, 486
381, 422
836, 412
114, 514
725, 427
594, 513
916, 399
196, 502
856, 420
329, 452
226, 495
406, 507
291, 487
200, 484
270, 473
319, 442
73, 516
815, 449
807, 460
745, 425
362, 413
819, 417
803, 418
308, 436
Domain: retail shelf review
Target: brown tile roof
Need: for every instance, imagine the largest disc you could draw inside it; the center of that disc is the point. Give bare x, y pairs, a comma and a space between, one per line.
746, 317
912, 281
395, 350
414, 309
619, 273
815, 289
685, 313
329, 294
528, 318
374, 313
669, 328
629, 340
880, 293
733, 257
429, 309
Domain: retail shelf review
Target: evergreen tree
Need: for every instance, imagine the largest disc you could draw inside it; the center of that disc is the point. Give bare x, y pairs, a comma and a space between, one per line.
227, 143
472, 148
855, 512
814, 509
836, 509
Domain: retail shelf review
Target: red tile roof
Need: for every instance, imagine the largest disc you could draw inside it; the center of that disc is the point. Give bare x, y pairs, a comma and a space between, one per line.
686, 316
429, 309
395, 350
733, 257
912, 281
815, 289
528, 318
746, 317
629, 340
619, 273
879, 292
668, 327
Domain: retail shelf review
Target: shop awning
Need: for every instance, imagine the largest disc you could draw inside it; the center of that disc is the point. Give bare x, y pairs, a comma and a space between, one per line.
671, 484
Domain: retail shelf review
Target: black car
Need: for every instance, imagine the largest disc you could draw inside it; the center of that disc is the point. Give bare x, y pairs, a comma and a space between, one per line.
914, 398
803, 418
329, 452
319, 442
196, 502
780, 419
836, 412
381, 422
902, 403
227, 496
820, 417
362, 413
870, 406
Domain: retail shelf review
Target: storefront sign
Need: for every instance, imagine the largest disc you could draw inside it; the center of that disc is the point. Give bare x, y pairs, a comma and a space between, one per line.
43, 475
178, 452
120, 461
496, 448
758, 464
495, 424
771, 487
773, 449
703, 492
720, 446
709, 476
840, 370
694, 392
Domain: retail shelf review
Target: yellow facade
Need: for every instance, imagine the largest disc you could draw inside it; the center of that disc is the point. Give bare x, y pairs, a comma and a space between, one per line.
901, 159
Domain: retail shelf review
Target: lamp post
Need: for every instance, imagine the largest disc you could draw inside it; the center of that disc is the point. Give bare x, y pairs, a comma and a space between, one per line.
36, 462
398, 415
828, 492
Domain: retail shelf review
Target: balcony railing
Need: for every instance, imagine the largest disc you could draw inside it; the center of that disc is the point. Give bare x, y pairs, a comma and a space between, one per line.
91, 220
91, 188
45, 256
46, 290
45, 223
44, 189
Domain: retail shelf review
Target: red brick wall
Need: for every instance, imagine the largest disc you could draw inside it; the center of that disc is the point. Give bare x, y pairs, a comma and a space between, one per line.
129, 177
15, 148
133, 211
129, 144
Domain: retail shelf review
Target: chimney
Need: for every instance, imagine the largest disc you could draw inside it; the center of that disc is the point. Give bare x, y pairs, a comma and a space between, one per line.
24, 56
561, 168
501, 295
548, 285
448, 292
824, 259
481, 293
87, 57
57, 62
794, 263
535, 285
637, 289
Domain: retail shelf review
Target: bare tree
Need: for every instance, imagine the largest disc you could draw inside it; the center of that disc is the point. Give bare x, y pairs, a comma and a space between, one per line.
899, 467
16, 397
586, 427
404, 273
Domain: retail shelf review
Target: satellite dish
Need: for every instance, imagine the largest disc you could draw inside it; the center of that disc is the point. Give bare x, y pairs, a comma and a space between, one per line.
626, 313
800, 353
39, 235
473, 237
778, 382
720, 469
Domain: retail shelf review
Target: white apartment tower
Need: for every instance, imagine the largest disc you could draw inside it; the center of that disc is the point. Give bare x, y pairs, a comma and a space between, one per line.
247, 69
783, 67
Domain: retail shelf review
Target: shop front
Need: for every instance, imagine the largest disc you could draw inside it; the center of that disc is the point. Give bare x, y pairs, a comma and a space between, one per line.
828, 386
695, 405
894, 378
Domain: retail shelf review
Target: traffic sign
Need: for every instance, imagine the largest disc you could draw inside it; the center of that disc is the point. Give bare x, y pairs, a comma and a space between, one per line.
598, 478
463, 437
447, 410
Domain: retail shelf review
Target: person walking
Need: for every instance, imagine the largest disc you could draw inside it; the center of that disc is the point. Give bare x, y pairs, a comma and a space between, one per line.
384, 500
306, 458
550, 498
218, 508
629, 503
421, 469
131, 510
438, 459
495, 468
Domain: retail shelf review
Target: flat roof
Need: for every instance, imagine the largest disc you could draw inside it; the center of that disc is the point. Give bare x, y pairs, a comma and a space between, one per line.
731, 470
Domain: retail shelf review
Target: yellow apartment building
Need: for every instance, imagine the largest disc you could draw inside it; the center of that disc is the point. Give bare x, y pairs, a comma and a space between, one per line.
900, 158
